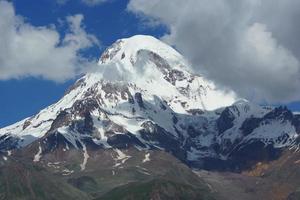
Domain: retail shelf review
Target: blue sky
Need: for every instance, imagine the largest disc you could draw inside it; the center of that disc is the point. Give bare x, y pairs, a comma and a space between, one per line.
108, 22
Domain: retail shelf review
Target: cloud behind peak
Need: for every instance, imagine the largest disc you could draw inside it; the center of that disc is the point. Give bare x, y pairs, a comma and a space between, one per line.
249, 46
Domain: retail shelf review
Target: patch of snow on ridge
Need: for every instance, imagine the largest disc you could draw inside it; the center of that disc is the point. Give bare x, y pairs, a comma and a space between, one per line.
121, 157
67, 172
38, 156
85, 157
99, 125
147, 157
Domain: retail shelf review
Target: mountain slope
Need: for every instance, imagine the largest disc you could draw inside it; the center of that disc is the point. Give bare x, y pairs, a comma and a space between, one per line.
157, 189
60, 177
21, 179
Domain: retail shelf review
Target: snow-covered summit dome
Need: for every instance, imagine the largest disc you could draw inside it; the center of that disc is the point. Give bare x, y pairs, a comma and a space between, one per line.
160, 70
126, 50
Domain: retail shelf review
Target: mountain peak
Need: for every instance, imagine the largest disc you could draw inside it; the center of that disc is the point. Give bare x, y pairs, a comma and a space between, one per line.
155, 68
126, 49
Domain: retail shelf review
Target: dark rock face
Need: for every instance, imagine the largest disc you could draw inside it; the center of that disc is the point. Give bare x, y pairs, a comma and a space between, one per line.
225, 120
162, 106
81, 107
249, 154
195, 111
296, 123
249, 125
113, 90
55, 141
26, 124
175, 119
174, 75
160, 62
154, 133
139, 99
244, 157
170, 75
280, 113
212, 164
123, 56
63, 119
85, 126
192, 132
123, 141
126, 95
7, 142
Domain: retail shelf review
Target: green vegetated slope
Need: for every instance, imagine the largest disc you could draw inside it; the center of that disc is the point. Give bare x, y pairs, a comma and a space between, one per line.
19, 181
158, 189
22, 179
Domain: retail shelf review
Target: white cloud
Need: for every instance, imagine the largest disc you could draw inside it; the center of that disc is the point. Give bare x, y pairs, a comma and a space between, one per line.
27, 50
250, 46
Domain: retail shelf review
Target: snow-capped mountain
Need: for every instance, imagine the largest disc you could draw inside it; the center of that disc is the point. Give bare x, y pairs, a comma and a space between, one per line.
143, 95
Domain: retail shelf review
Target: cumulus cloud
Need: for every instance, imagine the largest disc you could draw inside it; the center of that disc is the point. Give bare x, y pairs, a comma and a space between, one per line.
27, 50
250, 46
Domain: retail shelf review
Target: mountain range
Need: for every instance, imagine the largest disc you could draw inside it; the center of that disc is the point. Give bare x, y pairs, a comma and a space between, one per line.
143, 125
